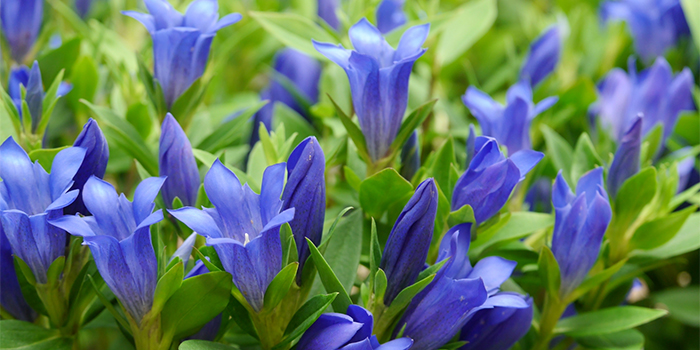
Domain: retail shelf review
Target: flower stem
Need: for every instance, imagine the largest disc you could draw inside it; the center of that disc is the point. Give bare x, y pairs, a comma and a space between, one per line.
551, 313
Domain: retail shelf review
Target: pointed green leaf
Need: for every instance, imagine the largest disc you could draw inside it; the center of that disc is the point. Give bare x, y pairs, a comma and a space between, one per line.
280, 285
329, 279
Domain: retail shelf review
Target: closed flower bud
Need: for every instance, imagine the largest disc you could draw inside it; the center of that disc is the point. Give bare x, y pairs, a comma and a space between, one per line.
95, 162
410, 157
626, 162
176, 162
21, 22
544, 55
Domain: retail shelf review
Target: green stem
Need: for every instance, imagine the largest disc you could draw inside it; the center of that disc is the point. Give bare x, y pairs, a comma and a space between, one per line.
55, 302
551, 313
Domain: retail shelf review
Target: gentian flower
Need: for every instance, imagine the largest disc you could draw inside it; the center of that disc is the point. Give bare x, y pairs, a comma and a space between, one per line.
626, 162
390, 15
409, 241
95, 162
410, 157
334, 331
119, 237
509, 124
378, 77
176, 162
82, 7
539, 196
305, 191
491, 178
31, 197
326, 10
21, 22
209, 331
656, 25
11, 297
655, 93
181, 43
243, 227
579, 225
544, 55
498, 328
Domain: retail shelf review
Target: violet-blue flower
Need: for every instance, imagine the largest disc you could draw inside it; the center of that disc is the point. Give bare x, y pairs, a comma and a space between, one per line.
95, 163
390, 15
626, 162
21, 22
326, 11
11, 297
176, 162
82, 7
544, 55
498, 328
410, 157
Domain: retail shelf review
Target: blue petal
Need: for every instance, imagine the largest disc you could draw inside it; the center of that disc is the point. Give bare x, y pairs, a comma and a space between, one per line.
330, 331
65, 166
590, 183
63, 201
173, 53
367, 40
361, 315
35, 96
545, 53
101, 198
326, 11
18, 174
390, 15
271, 191
185, 249
164, 14
23, 239
525, 160
364, 344
335, 53
561, 192
73, 224
493, 270
411, 42
225, 192
627, 157
94, 163
142, 263
147, 20
201, 14
544, 105
484, 108
226, 21
198, 220
176, 162
397, 344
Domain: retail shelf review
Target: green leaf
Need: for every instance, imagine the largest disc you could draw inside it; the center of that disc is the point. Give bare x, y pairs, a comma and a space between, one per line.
380, 284
440, 169
607, 321
204, 157
293, 30
293, 122
24, 335
686, 240
375, 253
55, 270
138, 115
108, 305
268, 147
305, 317
460, 216
45, 156
595, 280
356, 135
651, 142
343, 251
517, 226
351, 177
585, 157
84, 78
559, 150
630, 339
280, 285
50, 100
634, 194
329, 279
382, 190
656, 232
184, 107
683, 304
410, 124
52, 62
692, 15
167, 285
406, 295
228, 133
204, 345
549, 272
468, 24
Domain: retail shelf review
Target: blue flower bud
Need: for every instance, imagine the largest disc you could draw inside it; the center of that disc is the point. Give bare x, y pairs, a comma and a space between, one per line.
410, 157
35, 96
176, 162
82, 7
544, 55
626, 162
326, 10
95, 162
21, 22
378, 77
31, 80
498, 328
390, 15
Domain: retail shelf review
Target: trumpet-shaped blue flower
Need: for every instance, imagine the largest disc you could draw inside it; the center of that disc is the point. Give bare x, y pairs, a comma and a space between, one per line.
21, 22
498, 328
31, 197
176, 162
181, 43
509, 124
119, 237
655, 93
656, 25
491, 177
326, 11
95, 162
335, 331
390, 15
243, 227
409, 241
626, 162
410, 157
545, 53
11, 298
378, 77
305, 191
579, 225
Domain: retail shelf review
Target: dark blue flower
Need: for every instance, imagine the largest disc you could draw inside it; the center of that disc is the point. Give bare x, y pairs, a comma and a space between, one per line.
181, 43
545, 53
409, 241
21, 22
335, 331
498, 328
390, 15
410, 157
95, 162
656, 25
509, 124
326, 10
243, 227
378, 77
176, 162
626, 162
305, 191
11, 298
579, 225
491, 178
119, 238
31, 197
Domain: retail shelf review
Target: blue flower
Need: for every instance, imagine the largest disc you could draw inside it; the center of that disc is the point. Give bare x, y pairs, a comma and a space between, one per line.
119, 238
654, 93
176, 162
305, 191
243, 227
410, 157
579, 225
82, 7
326, 10
21, 22
626, 162
491, 178
95, 162
545, 53
378, 77
390, 15
11, 297
656, 25
509, 124
409, 241
31, 197
334, 331
181, 43
498, 328
539, 196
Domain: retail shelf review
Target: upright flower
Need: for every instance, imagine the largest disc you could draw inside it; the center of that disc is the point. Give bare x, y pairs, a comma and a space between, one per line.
119, 237
31, 196
21, 22
176, 162
626, 162
656, 25
243, 227
95, 162
409, 241
410, 157
509, 124
378, 77
351, 331
498, 328
326, 11
181, 43
305, 191
579, 225
491, 178
390, 15
544, 55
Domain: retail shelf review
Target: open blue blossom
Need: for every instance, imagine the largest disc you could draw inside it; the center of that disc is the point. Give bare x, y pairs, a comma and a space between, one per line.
176, 162
410, 157
378, 77
579, 225
509, 124
335, 331
498, 328
95, 162
326, 11
11, 297
21, 22
305, 191
390, 15
119, 237
656, 25
544, 55
655, 93
491, 178
243, 227
31, 196
409, 241
181, 43
626, 162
